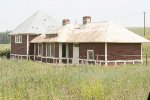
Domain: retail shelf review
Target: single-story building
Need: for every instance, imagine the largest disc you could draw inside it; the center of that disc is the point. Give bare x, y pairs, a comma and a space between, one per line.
41, 38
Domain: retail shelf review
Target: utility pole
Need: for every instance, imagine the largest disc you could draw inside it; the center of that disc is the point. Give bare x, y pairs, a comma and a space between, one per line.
144, 22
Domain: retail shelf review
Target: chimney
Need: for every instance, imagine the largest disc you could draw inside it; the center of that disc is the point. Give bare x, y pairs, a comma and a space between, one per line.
86, 19
65, 22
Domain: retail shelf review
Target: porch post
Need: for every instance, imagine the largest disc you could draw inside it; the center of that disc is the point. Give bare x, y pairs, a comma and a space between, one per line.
67, 53
34, 50
60, 52
27, 46
141, 54
106, 54
46, 52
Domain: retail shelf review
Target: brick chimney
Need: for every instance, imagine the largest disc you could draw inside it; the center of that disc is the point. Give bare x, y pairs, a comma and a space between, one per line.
65, 22
86, 19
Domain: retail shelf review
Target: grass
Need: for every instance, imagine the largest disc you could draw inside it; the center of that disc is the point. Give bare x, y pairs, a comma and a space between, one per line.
32, 80
4, 46
140, 30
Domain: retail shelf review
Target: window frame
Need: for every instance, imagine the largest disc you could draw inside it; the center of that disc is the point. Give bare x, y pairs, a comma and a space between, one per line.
40, 50
49, 50
18, 38
88, 54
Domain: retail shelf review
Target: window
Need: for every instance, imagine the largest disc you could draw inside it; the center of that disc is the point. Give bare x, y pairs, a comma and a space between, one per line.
18, 38
51, 50
90, 54
48, 50
40, 49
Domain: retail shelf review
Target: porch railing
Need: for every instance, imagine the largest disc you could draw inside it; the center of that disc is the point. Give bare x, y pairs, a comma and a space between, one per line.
56, 60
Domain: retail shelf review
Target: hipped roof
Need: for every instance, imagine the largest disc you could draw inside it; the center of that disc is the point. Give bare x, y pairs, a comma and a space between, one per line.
93, 32
38, 23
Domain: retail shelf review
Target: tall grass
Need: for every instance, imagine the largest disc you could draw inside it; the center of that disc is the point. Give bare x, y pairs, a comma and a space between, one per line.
32, 80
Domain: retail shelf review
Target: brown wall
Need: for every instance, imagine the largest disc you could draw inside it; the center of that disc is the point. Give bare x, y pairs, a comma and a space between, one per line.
21, 48
44, 49
70, 50
31, 45
99, 48
116, 51
56, 50
123, 51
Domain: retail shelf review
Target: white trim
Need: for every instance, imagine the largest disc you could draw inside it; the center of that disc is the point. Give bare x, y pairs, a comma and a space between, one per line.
42, 49
46, 49
54, 49
141, 51
34, 51
60, 52
18, 38
106, 59
88, 54
27, 46
67, 52
48, 52
39, 53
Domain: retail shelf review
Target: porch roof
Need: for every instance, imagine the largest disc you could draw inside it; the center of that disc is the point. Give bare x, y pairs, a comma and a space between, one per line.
93, 32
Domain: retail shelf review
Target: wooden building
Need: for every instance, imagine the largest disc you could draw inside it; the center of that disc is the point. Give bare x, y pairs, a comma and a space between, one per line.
41, 38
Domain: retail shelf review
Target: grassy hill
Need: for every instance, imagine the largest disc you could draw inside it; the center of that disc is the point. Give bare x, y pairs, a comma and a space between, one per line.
39, 81
140, 31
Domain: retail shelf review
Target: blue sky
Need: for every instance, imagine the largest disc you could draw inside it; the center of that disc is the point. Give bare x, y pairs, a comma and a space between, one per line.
124, 12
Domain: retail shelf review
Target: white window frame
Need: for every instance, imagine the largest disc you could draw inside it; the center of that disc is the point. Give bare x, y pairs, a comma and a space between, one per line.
88, 54
18, 38
40, 53
49, 51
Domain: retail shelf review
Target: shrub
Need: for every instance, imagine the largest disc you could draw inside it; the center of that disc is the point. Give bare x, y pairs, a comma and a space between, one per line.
5, 53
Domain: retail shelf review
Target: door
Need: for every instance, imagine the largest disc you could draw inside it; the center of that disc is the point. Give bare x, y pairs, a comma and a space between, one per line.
76, 54
64, 52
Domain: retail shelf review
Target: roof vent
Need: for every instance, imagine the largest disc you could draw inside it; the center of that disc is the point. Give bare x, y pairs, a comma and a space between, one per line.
86, 19
65, 22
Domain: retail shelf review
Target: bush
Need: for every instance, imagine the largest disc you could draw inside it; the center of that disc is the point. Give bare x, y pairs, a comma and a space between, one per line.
5, 53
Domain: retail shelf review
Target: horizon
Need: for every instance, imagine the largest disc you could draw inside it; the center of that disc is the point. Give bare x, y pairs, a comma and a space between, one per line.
127, 13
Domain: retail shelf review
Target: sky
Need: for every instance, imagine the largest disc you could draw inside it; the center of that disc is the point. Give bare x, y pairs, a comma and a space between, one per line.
128, 13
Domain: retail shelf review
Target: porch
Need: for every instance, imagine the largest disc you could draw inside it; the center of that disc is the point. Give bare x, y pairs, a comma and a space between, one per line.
83, 53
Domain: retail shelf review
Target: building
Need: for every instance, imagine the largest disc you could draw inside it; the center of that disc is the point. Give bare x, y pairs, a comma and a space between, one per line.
41, 38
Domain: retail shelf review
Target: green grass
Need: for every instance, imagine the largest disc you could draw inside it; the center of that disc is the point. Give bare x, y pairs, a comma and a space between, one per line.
39, 81
140, 30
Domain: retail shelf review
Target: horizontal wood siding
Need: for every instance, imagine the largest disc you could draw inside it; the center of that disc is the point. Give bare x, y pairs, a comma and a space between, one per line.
19, 48
122, 51
70, 50
99, 48
31, 45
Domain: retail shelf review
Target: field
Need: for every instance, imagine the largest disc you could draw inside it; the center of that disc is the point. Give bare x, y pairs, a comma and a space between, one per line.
27, 80
140, 31
39, 81
4, 46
